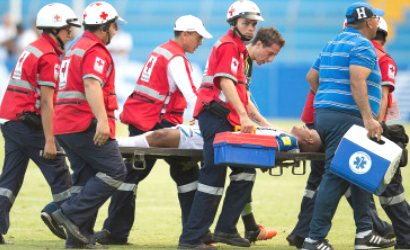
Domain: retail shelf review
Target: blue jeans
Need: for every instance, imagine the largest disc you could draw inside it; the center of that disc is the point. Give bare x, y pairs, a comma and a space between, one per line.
331, 126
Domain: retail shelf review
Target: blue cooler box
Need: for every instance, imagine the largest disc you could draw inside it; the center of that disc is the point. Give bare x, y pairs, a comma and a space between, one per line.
244, 150
364, 162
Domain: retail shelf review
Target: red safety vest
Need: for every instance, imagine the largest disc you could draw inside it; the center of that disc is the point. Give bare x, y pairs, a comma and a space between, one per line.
23, 91
308, 110
72, 113
151, 101
383, 58
208, 92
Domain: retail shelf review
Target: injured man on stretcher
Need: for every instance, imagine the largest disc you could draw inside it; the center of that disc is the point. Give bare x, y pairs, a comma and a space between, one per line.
300, 139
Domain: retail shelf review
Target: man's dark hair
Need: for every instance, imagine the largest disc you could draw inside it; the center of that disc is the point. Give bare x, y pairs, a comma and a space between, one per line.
268, 36
380, 36
177, 33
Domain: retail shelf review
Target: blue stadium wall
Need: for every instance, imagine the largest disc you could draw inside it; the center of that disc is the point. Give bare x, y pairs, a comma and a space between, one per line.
279, 88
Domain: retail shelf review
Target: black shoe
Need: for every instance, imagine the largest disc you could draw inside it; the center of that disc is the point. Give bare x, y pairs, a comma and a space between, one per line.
320, 245
86, 246
103, 237
372, 241
5, 242
389, 235
56, 229
208, 238
231, 239
69, 226
252, 236
295, 241
195, 247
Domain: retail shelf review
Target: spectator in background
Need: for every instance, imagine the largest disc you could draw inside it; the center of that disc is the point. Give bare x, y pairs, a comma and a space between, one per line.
8, 33
120, 47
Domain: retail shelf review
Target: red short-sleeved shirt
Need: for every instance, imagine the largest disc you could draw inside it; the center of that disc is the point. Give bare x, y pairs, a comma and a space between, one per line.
49, 66
97, 64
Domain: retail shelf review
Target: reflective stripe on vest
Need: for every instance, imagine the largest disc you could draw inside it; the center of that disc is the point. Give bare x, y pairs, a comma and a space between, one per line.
165, 53
71, 95
149, 92
21, 83
77, 52
208, 79
33, 50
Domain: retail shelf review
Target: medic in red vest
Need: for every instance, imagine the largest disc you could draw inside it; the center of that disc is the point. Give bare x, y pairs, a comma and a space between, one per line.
27, 109
165, 84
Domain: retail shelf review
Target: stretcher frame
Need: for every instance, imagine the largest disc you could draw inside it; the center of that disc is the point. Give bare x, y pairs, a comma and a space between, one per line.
188, 157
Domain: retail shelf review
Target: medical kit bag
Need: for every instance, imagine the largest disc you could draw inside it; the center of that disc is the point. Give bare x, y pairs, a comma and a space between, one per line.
244, 150
365, 162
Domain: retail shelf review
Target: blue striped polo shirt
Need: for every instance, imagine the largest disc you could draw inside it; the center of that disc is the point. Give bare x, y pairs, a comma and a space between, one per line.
348, 48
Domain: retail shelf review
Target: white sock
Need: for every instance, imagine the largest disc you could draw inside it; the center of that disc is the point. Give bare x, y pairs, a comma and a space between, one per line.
133, 141
363, 234
310, 240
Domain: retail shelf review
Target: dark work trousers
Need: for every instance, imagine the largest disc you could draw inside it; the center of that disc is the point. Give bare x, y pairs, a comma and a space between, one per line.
121, 212
397, 208
211, 187
98, 172
21, 145
308, 201
331, 126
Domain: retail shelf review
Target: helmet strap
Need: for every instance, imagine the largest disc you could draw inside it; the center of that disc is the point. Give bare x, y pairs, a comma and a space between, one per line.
242, 37
106, 29
55, 34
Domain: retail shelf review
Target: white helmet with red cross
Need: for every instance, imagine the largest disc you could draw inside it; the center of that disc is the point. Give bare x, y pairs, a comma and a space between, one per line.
99, 13
244, 8
382, 26
57, 16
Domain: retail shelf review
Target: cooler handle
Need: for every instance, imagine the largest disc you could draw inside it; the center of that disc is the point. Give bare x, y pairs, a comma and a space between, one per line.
374, 139
238, 128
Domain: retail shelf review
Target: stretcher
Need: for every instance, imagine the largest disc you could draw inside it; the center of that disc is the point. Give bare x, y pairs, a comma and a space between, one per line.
186, 157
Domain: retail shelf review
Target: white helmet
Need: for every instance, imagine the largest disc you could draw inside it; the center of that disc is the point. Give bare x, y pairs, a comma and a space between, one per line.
382, 26
244, 8
56, 15
99, 13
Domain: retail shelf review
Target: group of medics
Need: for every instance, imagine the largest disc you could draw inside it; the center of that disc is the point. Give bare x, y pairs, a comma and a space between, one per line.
70, 103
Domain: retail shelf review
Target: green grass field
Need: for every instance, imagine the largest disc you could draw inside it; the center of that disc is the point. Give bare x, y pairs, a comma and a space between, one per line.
157, 226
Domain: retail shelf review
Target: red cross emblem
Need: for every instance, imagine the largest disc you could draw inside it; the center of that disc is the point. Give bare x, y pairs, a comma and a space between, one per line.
64, 68
235, 63
98, 4
50, 4
22, 59
57, 17
99, 62
84, 15
104, 15
149, 65
392, 69
231, 11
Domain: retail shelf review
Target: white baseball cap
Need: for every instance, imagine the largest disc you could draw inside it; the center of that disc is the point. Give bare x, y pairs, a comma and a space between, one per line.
190, 23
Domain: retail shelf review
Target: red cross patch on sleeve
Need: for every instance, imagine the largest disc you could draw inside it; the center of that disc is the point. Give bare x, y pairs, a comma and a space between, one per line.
56, 71
99, 65
392, 71
234, 65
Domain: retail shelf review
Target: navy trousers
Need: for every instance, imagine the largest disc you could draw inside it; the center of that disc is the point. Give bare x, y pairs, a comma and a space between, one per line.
331, 126
121, 212
98, 172
211, 186
21, 145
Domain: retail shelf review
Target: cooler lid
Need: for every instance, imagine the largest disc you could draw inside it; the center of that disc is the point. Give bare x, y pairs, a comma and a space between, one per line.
249, 139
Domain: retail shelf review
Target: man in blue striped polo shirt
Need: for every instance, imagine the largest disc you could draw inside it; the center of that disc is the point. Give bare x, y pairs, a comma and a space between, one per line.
346, 78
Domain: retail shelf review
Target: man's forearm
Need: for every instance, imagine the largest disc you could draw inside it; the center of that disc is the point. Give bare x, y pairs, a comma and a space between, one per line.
360, 96
95, 98
256, 117
229, 90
